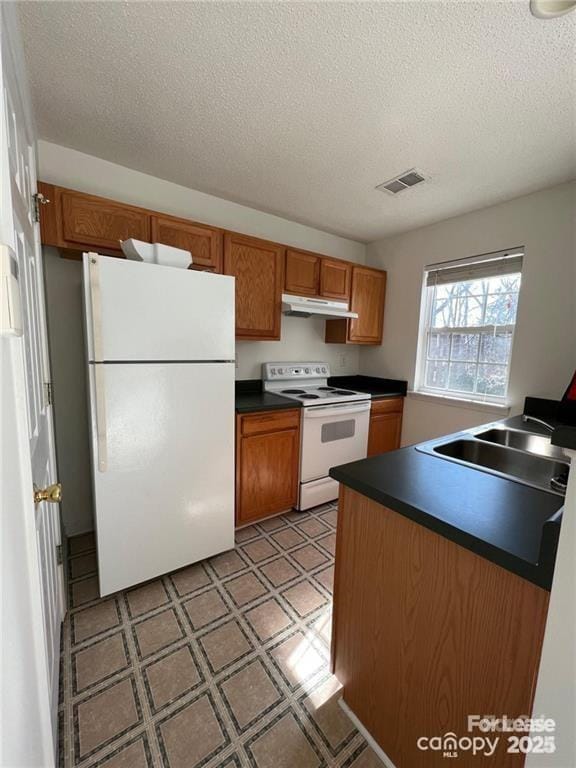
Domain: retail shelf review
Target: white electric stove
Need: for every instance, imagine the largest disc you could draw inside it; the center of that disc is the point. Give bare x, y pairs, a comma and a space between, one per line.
335, 425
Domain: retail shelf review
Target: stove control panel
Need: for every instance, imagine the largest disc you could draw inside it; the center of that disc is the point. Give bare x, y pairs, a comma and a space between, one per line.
294, 371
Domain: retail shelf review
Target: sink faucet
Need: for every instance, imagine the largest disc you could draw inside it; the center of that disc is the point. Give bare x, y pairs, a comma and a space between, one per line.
526, 418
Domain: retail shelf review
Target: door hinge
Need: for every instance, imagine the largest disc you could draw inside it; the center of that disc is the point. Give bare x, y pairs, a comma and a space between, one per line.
49, 392
37, 200
59, 558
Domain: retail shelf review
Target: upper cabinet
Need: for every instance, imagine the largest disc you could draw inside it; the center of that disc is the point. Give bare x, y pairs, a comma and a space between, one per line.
367, 299
74, 220
309, 274
203, 242
335, 278
78, 222
302, 273
258, 267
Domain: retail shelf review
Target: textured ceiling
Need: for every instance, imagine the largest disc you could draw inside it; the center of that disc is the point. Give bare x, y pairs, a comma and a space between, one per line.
301, 109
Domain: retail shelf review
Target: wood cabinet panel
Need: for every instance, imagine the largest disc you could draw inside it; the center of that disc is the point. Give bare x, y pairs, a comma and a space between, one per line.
93, 221
335, 277
302, 273
204, 243
387, 405
426, 632
270, 421
367, 296
258, 267
266, 464
385, 433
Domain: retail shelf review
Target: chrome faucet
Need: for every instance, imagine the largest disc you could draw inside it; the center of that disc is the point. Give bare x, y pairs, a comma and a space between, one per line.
526, 418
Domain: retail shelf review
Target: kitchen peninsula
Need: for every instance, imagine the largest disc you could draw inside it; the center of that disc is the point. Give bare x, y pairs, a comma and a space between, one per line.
440, 598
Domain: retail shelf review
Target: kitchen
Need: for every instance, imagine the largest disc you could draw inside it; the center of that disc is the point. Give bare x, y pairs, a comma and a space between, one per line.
333, 349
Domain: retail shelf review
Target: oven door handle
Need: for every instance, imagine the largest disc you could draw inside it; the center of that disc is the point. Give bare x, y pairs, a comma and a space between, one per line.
320, 412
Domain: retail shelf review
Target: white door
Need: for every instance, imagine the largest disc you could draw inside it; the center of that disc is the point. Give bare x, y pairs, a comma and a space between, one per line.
163, 466
40, 523
140, 311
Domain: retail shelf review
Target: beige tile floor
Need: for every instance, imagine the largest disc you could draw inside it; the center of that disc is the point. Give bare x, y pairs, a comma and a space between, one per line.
223, 663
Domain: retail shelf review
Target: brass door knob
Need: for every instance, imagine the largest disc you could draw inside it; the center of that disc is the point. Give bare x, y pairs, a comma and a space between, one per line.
52, 494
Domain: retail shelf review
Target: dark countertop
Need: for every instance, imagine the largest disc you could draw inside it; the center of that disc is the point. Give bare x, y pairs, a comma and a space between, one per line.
373, 385
251, 397
559, 415
513, 525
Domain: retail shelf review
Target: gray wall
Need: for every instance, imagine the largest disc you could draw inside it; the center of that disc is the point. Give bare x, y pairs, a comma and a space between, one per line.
544, 353
63, 278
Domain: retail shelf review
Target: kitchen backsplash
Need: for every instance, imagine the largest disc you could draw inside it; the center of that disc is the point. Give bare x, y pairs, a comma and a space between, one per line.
302, 339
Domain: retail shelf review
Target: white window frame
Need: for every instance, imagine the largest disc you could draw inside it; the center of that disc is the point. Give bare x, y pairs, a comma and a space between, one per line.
425, 329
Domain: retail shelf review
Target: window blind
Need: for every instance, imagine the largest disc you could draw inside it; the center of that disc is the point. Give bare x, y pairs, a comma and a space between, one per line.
476, 268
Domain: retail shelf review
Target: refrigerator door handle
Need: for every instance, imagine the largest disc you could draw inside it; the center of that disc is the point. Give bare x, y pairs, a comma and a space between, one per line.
96, 309
100, 401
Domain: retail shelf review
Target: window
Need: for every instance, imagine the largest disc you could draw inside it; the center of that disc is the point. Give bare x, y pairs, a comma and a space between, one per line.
467, 324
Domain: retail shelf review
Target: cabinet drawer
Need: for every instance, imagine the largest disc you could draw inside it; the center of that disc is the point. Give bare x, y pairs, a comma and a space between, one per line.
270, 421
390, 405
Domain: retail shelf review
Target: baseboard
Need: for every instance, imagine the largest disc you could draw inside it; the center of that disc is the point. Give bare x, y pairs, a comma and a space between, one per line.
369, 738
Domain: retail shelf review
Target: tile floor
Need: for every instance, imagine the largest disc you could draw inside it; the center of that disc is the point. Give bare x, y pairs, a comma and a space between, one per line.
223, 663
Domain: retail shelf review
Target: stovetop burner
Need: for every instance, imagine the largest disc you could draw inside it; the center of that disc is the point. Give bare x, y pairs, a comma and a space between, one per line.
307, 384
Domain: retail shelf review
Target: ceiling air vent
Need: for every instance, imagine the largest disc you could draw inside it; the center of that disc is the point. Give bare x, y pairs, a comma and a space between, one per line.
404, 181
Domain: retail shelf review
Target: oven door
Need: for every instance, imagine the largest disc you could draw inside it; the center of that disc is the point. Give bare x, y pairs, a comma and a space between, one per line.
332, 435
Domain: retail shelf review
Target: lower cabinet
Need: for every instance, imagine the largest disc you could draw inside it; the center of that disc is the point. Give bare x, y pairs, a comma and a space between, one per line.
385, 425
267, 460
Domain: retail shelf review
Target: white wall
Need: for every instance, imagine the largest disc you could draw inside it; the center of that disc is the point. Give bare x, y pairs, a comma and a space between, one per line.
544, 354
302, 339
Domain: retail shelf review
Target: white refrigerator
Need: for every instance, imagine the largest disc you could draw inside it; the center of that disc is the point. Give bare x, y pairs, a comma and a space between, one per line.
160, 351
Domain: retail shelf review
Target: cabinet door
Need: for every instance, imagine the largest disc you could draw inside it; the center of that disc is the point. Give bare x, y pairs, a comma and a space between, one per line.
335, 279
90, 221
368, 293
385, 425
385, 432
204, 243
302, 273
258, 267
266, 474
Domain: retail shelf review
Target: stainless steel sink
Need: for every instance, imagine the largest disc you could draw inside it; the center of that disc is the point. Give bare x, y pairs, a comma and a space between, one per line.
514, 464
523, 441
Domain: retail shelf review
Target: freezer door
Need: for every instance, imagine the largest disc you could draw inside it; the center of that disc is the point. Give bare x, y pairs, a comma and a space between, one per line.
163, 467
136, 311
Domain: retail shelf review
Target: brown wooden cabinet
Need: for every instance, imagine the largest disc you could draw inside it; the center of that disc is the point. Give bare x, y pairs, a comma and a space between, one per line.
203, 242
76, 221
367, 299
302, 273
385, 425
258, 267
426, 632
335, 277
267, 459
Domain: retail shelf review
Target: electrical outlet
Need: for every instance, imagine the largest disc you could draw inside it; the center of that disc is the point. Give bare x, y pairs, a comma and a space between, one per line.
342, 361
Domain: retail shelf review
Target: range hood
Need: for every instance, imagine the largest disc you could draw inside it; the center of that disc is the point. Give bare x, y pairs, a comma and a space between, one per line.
304, 306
